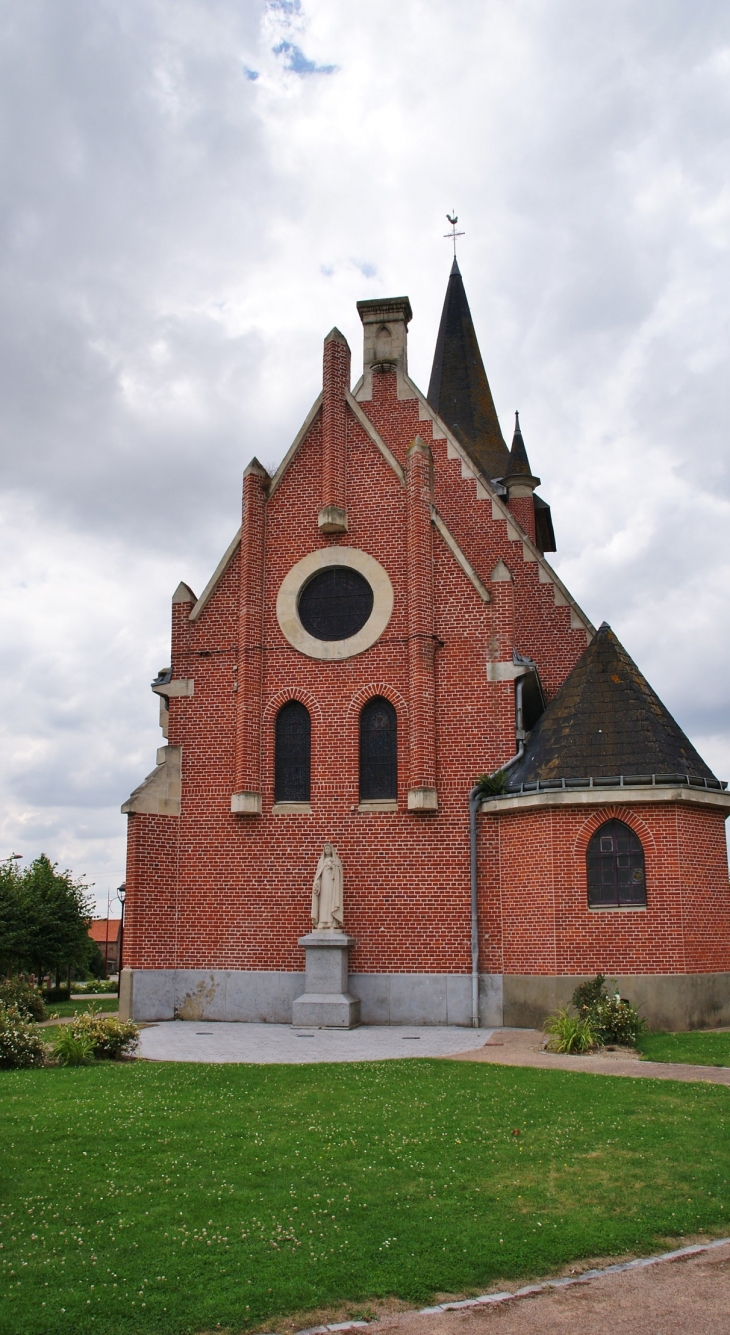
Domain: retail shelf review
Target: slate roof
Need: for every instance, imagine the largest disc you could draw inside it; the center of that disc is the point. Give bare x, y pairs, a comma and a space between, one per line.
459, 390
606, 720
519, 464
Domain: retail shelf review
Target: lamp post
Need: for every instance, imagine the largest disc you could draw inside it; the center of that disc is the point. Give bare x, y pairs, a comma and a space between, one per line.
121, 896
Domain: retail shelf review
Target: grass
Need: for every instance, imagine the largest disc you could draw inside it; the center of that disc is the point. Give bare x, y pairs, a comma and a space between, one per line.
64, 1009
698, 1048
168, 1198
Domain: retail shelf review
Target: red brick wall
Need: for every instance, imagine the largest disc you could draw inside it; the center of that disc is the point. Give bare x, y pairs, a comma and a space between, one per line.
547, 926
213, 890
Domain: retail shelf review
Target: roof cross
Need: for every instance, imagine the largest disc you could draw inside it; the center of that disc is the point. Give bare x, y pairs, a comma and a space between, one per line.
452, 235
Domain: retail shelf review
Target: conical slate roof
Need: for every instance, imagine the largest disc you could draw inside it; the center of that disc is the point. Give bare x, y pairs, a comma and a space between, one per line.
519, 464
459, 390
606, 720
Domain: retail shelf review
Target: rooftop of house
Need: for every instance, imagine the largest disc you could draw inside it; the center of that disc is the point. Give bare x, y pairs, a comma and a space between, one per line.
99, 931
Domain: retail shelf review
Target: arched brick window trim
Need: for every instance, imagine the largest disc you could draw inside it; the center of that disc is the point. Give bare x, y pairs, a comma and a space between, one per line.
273, 705
603, 814
366, 693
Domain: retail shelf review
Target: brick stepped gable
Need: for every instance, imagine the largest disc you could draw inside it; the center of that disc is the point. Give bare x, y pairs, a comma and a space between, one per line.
548, 624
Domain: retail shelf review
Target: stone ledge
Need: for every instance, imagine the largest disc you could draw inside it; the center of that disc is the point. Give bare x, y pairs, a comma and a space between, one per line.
422, 799
246, 804
604, 797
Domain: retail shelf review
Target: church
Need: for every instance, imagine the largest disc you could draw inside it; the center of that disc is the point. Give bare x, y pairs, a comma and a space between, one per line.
386, 700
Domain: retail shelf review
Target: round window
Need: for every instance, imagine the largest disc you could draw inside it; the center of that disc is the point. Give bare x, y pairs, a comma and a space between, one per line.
335, 604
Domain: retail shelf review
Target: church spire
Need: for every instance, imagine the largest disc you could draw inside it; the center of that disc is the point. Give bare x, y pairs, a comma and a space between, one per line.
459, 390
519, 463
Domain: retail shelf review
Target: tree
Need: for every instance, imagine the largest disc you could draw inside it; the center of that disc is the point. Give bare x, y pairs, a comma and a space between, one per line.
58, 915
44, 918
12, 917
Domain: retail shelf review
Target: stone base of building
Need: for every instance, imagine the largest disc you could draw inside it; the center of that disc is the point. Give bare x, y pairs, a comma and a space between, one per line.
666, 1001
267, 998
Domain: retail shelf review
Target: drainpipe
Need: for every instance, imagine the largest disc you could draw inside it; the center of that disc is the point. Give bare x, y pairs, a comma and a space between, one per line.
474, 800
475, 797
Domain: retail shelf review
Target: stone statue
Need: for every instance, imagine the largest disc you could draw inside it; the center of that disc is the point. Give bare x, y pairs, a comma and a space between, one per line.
327, 892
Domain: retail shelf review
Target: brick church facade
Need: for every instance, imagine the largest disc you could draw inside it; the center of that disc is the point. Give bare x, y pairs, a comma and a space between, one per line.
384, 629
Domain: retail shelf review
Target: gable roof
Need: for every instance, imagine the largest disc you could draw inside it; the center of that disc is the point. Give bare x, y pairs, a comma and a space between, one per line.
459, 390
99, 931
606, 720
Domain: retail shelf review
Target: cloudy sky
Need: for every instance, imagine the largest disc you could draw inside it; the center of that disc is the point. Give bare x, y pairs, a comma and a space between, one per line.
195, 191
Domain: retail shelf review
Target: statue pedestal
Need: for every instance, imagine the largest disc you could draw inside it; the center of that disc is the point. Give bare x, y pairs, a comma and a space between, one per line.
326, 1002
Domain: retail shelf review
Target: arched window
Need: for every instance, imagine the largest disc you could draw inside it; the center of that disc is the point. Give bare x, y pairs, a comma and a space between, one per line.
378, 750
615, 861
293, 746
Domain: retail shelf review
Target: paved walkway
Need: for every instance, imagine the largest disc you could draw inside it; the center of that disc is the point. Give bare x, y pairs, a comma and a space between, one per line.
195, 1041
524, 1047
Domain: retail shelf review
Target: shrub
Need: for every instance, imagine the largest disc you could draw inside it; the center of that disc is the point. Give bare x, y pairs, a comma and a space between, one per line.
491, 785
72, 1049
20, 1044
570, 1033
111, 1038
18, 992
617, 1021
589, 993
98, 986
613, 1018
52, 994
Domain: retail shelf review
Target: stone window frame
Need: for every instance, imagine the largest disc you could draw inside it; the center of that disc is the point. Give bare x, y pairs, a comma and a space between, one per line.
332, 651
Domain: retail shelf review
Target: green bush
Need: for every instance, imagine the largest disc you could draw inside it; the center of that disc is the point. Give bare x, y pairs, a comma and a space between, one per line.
18, 992
613, 1018
20, 1044
98, 986
589, 993
570, 1033
72, 1049
617, 1021
111, 1038
52, 994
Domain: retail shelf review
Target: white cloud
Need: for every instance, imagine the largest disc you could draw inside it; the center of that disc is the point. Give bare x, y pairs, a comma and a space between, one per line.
179, 236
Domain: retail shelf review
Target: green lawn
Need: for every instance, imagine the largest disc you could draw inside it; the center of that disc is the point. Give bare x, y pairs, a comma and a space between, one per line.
66, 1008
698, 1048
158, 1197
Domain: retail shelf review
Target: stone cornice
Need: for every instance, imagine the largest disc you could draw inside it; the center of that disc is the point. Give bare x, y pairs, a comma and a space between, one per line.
603, 797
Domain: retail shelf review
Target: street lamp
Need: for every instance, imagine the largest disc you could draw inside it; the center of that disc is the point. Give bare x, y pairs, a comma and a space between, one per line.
121, 896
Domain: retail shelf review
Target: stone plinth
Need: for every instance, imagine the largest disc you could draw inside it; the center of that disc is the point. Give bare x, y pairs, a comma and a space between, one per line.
326, 1002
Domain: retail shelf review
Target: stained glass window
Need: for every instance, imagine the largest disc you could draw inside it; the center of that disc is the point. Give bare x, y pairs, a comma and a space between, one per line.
292, 760
335, 604
615, 861
378, 750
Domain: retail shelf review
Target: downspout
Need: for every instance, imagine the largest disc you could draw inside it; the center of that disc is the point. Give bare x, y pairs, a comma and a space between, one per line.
475, 798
